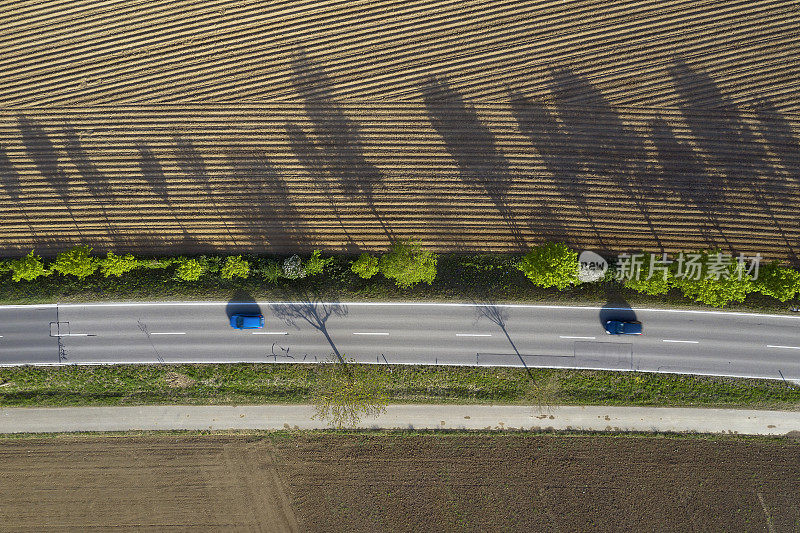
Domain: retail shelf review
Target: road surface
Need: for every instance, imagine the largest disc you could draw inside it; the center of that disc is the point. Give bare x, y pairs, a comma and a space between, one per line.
696, 342
271, 417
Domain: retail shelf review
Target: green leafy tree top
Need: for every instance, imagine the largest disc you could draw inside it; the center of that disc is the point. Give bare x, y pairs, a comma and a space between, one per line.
777, 281
316, 264
365, 266
28, 268
76, 262
408, 264
343, 393
551, 265
189, 270
235, 267
117, 265
654, 277
733, 284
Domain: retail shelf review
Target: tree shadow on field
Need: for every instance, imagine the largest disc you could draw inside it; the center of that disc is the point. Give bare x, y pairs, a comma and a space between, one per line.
307, 307
192, 165
11, 183
472, 146
336, 153
264, 203
43, 152
739, 162
606, 146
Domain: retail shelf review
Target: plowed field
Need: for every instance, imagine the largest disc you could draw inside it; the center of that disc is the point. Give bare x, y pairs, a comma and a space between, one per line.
399, 483
273, 126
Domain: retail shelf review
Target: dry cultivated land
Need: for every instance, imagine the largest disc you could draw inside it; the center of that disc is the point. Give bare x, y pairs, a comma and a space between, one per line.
374, 482
274, 126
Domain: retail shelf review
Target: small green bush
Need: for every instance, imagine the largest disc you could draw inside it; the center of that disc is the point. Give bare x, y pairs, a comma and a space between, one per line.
777, 281
408, 264
716, 292
189, 270
159, 263
551, 265
117, 265
365, 266
28, 268
293, 268
76, 262
270, 270
659, 282
235, 267
315, 264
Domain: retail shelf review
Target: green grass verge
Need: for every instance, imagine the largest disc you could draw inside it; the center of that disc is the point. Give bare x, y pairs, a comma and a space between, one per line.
291, 383
463, 278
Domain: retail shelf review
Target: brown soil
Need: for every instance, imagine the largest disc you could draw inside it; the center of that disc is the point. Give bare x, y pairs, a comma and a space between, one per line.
228, 125
407, 483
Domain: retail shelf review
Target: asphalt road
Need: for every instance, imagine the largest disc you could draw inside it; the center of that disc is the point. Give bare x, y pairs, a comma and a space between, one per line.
697, 342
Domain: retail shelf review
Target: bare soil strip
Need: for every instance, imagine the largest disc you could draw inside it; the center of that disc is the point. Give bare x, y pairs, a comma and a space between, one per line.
85, 52
369, 482
457, 175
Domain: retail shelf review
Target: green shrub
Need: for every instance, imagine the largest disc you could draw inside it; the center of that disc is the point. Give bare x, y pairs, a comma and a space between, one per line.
270, 270
235, 267
732, 286
365, 266
659, 282
407, 264
189, 270
315, 264
28, 268
293, 268
777, 281
117, 265
76, 262
550, 265
211, 263
160, 263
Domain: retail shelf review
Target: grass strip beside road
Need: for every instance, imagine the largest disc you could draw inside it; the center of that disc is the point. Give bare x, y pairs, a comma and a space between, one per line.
239, 384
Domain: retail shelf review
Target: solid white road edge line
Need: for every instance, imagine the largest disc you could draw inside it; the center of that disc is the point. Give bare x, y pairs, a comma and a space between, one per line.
270, 332
167, 333
371, 333
473, 334
787, 347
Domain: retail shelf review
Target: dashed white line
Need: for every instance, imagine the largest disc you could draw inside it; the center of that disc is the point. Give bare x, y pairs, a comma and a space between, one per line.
788, 347
73, 335
371, 333
685, 342
573, 337
167, 333
473, 334
270, 332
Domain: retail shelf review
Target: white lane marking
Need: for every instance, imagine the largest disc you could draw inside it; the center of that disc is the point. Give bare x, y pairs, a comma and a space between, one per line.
270, 332
1, 336
398, 304
788, 347
75, 335
571, 337
167, 333
371, 333
686, 342
473, 334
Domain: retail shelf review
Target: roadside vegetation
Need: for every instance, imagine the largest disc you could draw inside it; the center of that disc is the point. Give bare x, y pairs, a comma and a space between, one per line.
373, 386
547, 273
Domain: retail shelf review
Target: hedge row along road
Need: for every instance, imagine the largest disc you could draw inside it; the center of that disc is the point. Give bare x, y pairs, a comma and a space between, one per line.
691, 342
180, 127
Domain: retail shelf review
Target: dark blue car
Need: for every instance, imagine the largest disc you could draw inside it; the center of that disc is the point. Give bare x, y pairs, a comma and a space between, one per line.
247, 321
624, 327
